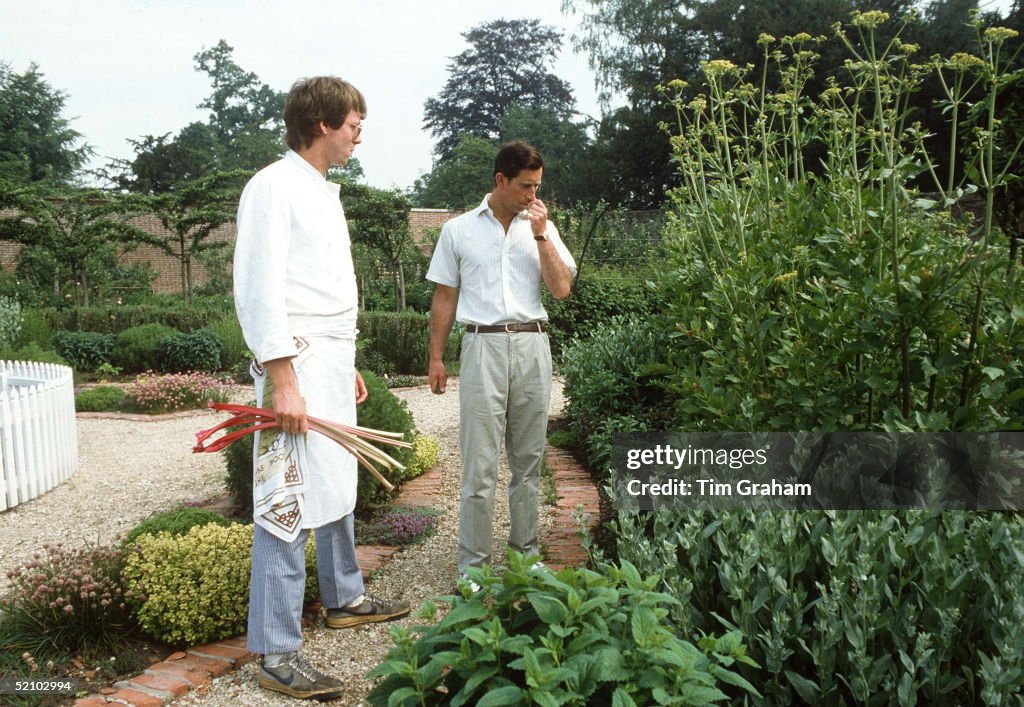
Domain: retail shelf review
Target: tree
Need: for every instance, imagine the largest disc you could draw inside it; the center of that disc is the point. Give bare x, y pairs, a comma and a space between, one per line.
461, 181
72, 241
379, 219
508, 62
191, 213
37, 143
243, 131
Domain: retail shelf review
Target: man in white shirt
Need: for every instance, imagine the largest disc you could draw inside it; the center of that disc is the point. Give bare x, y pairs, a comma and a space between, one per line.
488, 267
295, 294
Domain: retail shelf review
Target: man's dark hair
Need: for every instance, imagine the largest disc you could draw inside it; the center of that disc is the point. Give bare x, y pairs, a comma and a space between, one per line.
326, 99
516, 156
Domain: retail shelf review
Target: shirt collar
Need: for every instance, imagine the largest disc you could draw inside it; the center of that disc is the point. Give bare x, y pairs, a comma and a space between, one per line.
484, 208
308, 170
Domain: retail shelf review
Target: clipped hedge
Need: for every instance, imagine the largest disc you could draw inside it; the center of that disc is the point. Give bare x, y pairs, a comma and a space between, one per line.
399, 342
104, 398
194, 587
135, 348
198, 351
116, 318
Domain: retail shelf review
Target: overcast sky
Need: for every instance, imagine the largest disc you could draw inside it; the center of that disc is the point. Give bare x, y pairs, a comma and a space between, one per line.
127, 69
127, 65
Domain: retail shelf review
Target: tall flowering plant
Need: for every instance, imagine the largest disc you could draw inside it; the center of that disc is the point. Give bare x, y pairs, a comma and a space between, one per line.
357, 440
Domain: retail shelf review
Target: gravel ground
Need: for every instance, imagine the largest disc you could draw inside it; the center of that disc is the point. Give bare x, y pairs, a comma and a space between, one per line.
131, 469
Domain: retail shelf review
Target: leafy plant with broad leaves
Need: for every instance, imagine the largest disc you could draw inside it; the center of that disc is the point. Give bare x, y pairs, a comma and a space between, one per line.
572, 637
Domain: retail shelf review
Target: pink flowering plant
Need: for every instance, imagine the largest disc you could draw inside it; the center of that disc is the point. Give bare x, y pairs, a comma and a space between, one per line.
69, 601
168, 392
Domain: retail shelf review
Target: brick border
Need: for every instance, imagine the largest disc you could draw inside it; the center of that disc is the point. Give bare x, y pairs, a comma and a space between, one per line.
195, 668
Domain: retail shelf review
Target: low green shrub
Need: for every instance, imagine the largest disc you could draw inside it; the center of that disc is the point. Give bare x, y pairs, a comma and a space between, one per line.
856, 607
599, 296
194, 588
116, 318
67, 601
32, 352
382, 410
400, 342
198, 351
238, 476
34, 328
105, 398
573, 637
135, 348
83, 350
425, 452
160, 393
229, 332
612, 384
176, 522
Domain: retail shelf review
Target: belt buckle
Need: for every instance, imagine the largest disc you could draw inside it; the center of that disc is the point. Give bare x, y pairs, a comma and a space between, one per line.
508, 330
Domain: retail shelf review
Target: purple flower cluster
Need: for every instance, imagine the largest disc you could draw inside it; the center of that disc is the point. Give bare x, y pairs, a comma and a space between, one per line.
168, 392
79, 592
399, 527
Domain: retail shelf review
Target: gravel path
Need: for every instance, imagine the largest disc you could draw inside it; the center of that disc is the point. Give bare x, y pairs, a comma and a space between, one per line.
131, 469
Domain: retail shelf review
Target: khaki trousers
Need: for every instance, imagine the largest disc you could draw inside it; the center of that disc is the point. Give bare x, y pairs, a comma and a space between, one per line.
504, 391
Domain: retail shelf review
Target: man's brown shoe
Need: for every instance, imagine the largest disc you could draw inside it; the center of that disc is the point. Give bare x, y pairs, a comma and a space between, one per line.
297, 677
370, 610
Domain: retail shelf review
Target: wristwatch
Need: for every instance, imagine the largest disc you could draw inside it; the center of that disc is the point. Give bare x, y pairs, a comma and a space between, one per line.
542, 237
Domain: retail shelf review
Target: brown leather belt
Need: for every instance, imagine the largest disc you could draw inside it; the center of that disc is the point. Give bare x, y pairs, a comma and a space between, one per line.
535, 327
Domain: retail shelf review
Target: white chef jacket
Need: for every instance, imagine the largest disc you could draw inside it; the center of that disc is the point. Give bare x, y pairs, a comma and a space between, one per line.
293, 271
498, 275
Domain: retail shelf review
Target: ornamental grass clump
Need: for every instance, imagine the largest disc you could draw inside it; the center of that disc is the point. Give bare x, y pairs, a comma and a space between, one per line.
65, 601
157, 393
194, 588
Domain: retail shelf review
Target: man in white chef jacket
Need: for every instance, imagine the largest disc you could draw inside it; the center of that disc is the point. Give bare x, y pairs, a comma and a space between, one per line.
295, 294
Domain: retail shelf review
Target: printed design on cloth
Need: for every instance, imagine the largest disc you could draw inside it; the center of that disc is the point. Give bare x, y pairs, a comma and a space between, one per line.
279, 463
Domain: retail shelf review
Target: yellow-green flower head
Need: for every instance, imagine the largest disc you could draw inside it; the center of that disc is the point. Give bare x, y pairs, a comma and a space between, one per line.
870, 19
831, 92
907, 47
802, 37
677, 85
764, 40
785, 277
718, 67
964, 61
698, 104
998, 35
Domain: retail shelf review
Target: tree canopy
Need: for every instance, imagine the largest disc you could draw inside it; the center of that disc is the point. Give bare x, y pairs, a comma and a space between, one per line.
243, 131
37, 143
508, 61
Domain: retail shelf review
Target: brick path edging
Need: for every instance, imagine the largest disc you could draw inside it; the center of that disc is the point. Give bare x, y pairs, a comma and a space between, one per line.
195, 668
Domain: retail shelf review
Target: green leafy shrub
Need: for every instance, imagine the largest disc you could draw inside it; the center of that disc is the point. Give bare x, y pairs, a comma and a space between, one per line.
229, 332
399, 342
160, 393
176, 522
135, 348
573, 637
32, 352
104, 398
116, 318
67, 601
849, 607
613, 384
425, 453
83, 350
34, 328
194, 588
382, 410
10, 320
238, 476
597, 297
198, 351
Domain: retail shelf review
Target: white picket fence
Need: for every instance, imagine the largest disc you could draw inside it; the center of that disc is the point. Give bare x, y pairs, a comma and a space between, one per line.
38, 439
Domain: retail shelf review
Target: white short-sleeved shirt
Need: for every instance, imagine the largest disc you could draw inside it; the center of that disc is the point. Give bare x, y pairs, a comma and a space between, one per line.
293, 271
498, 275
